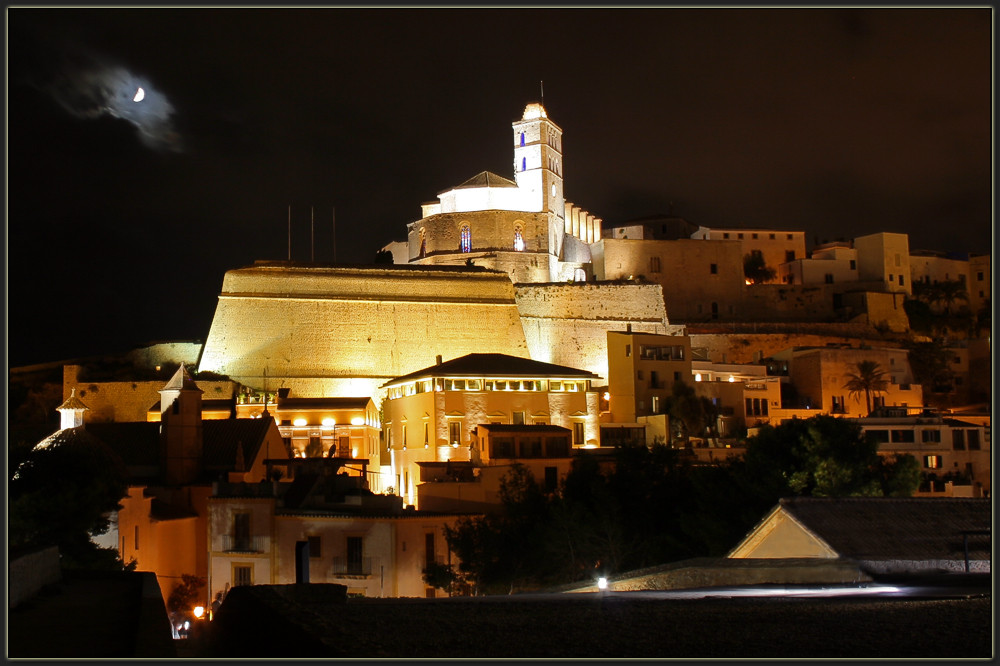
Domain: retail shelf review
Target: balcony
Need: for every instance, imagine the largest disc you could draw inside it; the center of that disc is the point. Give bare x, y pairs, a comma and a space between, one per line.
244, 544
350, 567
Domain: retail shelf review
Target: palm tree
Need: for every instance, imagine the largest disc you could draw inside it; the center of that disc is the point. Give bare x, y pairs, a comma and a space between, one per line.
869, 379
949, 293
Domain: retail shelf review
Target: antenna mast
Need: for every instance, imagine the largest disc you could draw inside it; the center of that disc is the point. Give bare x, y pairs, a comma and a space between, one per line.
312, 240
333, 212
541, 84
289, 232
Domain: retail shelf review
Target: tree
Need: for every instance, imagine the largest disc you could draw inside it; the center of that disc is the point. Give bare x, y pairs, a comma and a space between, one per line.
689, 413
931, 369
948, 293
383, 257
63, 494
755, 270
868, 380
824, 456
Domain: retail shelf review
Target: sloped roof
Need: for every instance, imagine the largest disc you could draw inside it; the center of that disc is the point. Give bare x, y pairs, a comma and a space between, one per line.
72, 402
486, 179
223, 438
138, 443
181, 380
323, 403
881, 528
494, 365
497, 428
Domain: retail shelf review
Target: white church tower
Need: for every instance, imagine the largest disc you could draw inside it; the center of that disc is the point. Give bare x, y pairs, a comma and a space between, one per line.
538, 160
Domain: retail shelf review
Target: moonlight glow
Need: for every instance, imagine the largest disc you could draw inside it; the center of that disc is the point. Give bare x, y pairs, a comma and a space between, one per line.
139, 94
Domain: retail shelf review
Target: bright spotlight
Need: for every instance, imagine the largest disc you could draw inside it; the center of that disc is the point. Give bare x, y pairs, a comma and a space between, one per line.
602, 583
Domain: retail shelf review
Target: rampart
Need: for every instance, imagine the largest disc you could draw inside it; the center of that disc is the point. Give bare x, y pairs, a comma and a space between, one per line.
567, 323
347, 330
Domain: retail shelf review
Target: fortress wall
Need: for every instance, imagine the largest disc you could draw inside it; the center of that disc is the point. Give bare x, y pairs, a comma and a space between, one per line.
128, 401
626, 302
360, 328
567, 324
741, 347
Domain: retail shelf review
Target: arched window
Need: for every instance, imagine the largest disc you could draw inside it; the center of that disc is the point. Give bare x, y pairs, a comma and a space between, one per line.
466, 238
423, 244
524, 164
522, 139
518, 238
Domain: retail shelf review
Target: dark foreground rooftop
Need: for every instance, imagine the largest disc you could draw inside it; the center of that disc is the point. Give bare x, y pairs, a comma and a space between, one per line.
279, 622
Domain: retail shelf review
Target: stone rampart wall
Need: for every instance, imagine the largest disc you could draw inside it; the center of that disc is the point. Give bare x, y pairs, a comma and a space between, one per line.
748, 347
298, 329
628, 302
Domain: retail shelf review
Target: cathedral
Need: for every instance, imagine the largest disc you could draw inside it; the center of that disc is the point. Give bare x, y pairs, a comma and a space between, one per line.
493, 266
523, 227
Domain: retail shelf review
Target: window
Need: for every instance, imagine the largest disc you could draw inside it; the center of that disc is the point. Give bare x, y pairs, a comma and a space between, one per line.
902, 436
828, 278
522, 139
789, 237
725, 235
656, 404
930, 436
524, 164
713, 269
973, 439
517, 418
502, 447
429, 548
838, 404
551, 479
242, 574
770, 236
901, 282
979, 276
455, 432
404, 437
753, 236
933, 462
739, 236
241, 531
654, 264
628, 350
958, 440
355, 562
518, 239
427, 434
466, 234
854, 265
879, 436
315, 547
578, 439
715, 310
137, 537
789, 255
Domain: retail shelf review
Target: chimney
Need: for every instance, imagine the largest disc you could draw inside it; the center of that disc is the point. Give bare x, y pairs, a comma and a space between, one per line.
439, 359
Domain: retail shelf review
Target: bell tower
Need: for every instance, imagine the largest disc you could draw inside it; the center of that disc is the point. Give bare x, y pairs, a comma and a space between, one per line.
538, 161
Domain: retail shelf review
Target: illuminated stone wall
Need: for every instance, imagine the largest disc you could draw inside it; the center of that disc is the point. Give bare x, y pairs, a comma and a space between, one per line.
345, 331
567, 324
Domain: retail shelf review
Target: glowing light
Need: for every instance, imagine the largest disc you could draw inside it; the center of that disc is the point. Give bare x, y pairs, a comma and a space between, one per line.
199, 611
328, 422
607, 395
697, 377
358, 420
139, 94
299, 422
732, 379
602, 583
354, 452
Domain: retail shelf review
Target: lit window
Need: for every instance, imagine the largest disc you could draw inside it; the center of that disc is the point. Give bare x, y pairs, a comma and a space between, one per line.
466, 238
524, 164
933, 462
522, 139
519, 239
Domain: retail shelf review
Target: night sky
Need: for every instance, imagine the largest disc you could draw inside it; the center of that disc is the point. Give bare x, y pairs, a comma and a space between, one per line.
123, 216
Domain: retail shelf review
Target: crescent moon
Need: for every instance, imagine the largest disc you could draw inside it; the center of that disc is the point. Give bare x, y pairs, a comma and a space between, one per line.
139, 94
